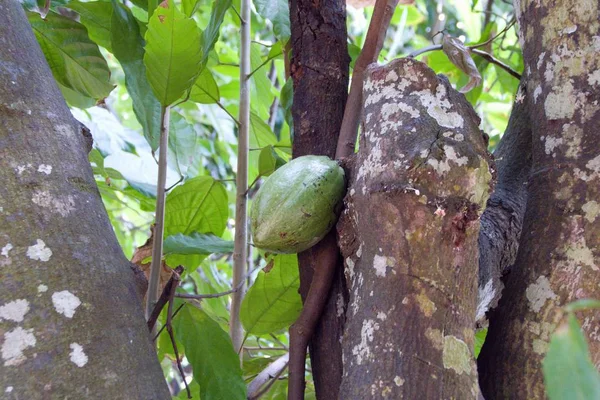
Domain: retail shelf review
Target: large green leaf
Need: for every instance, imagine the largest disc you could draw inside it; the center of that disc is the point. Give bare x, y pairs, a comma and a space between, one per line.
205, 89
173, 53
211, 33
128, 48
190, 6
568, 370
96, 16
74, 59
273, 302
199, 205
208, 348
278, 12
196, 243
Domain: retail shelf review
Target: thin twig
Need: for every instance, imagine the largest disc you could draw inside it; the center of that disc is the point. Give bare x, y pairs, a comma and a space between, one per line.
157, 247
174, 342
490, 58
506, 28
163, 327
215, 295
499, 63
263, 64
270, 373
167, 293
240, 246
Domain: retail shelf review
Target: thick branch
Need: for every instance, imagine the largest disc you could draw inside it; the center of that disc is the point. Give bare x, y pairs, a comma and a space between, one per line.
301, 331
380, 21
503, 218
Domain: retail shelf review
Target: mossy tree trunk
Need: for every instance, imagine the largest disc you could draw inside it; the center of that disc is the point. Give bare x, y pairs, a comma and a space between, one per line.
409, 239
71, 321
559, 252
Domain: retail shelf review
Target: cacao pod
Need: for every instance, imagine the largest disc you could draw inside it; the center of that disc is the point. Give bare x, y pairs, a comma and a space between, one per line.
297, 205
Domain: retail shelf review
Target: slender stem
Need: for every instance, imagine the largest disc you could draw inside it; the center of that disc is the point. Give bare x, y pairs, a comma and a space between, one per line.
380, 21
240, 252
157, 248
270, 373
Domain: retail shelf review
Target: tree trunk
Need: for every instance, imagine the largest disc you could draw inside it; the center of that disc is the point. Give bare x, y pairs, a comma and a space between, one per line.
409, 238
319, 69
502, 219
71, 321
559, 251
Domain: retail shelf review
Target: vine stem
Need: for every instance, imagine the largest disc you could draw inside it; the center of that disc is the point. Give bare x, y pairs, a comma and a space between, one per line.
240, 250
157, 246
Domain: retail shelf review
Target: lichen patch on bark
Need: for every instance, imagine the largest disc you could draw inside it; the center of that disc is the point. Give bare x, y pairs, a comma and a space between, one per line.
15, 342
539, 292
456, 355
14, 310
39, 251
65, 303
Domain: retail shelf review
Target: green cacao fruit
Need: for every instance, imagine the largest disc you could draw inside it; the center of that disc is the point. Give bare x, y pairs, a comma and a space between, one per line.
297, 205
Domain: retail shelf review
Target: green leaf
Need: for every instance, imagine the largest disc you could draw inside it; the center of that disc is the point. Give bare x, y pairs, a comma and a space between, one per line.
96, 16
261, 134
269, 161
273, 302
568, 369
128, 48
260, 84
205, 89
199, 205
286, 99
190, 7
185, 146
211, 33
278, 12
196, 243
75, 99
479, 340
583, 304
173, 53
74, 59
208, 348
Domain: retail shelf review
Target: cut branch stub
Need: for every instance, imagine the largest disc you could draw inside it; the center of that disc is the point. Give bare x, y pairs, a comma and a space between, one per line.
409, 238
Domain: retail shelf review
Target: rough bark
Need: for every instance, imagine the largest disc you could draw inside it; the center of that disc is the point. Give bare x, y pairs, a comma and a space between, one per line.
559, 253
319, 69
409, 238
502, 219
71, 324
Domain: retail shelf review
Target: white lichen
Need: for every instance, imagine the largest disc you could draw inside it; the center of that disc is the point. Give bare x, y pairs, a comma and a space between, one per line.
438, 107
45, 169
538, 293
15, 342
77, 356
591, 210
65, 303
63, 206
6, 249
39, 251
362, 351
594, 77
15, 310
380, 265
42, 288
486, 295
